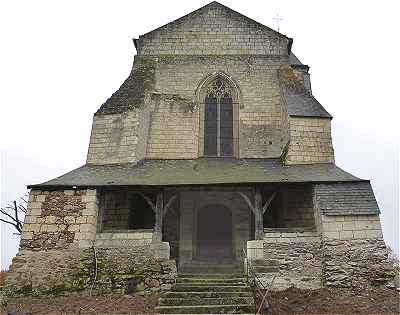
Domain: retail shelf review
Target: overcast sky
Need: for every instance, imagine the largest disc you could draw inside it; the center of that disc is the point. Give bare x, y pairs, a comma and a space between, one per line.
60, 60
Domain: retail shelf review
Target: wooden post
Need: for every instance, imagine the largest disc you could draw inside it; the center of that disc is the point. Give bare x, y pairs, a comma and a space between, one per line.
258, 215
157, 235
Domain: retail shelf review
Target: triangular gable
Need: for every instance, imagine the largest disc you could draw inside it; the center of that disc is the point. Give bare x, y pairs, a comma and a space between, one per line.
213, 4
209, 21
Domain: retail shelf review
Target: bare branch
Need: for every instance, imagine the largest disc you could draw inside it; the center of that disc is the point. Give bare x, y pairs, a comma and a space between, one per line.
8, 222
6, 214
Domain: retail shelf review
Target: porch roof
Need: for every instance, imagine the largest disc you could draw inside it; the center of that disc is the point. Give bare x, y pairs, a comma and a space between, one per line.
203, 171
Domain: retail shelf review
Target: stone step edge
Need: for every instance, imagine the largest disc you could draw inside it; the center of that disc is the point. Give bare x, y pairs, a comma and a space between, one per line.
211, 284
216, 274
202, 306
212, 279
207, 301
204, 293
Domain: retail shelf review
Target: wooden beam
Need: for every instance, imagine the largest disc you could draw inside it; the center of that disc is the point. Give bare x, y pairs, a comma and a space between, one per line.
258, 215
148, 200
169, 203
157, 235
249, 203
268, 202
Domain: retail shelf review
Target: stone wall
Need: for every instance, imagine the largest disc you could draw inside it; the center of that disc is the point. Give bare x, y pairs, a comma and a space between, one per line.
294, 258
172, 128
298, 209
60, 219
213, 30
119, 270
124, 238
115, 210
356, 263
310, 141
304, 260
114, 138
351, 227
258, 109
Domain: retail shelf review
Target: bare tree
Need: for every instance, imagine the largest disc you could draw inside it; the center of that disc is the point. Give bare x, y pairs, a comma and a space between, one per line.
14, 213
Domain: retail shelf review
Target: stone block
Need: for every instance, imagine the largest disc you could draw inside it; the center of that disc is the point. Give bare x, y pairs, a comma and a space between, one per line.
255, 249
161, 250
69, 219
374, 234
104, 236
35, 212
346, 235
51, 219
40, 198
81, 219
349, 226
52, 228
134, 235
359, 234
74, 228
87, 228
271, 234
332, 226
35, 205
85, 244
27, 235
30, 219
90, 210
331, 235
118, 236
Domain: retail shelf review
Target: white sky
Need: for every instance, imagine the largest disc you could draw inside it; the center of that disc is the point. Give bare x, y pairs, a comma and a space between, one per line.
60, 60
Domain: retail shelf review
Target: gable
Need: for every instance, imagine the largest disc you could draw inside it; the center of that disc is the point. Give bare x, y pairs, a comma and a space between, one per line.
213, 30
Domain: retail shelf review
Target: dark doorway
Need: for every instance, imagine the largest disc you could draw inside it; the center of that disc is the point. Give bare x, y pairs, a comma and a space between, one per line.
214, 233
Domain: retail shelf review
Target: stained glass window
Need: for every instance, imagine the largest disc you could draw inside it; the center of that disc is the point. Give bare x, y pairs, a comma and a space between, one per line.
218, 120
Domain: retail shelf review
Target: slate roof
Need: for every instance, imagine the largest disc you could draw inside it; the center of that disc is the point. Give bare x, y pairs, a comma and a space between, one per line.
201, 171
346, 198
303, 104
294, 61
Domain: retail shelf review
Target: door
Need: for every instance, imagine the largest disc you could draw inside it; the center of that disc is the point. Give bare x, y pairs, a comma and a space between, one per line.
214, 233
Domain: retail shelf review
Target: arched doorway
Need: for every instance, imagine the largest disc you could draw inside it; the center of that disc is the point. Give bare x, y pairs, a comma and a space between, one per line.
214, 233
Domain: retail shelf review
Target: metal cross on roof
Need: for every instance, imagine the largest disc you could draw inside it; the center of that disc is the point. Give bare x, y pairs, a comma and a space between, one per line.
277, 19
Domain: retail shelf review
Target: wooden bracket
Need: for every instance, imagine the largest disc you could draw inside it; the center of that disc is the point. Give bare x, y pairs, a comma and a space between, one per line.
169, 203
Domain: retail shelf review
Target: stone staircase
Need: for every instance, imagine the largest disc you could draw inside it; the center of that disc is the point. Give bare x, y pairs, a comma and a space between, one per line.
207, 293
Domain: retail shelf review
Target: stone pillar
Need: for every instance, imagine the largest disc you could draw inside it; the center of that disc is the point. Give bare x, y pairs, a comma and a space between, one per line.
60, 219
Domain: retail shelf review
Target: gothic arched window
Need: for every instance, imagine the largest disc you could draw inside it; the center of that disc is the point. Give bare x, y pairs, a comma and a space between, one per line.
218, 120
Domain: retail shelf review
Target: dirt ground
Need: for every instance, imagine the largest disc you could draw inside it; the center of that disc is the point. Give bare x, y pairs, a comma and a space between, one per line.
335, 301
105, 304
291, 301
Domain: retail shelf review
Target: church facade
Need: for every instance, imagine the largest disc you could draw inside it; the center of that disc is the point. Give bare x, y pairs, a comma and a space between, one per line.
212, 150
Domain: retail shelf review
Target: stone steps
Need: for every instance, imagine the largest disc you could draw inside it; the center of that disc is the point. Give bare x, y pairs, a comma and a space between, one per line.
207, 294
186, 295
205, 301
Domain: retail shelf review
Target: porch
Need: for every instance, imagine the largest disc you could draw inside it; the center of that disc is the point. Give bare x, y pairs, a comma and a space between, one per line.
203, 225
